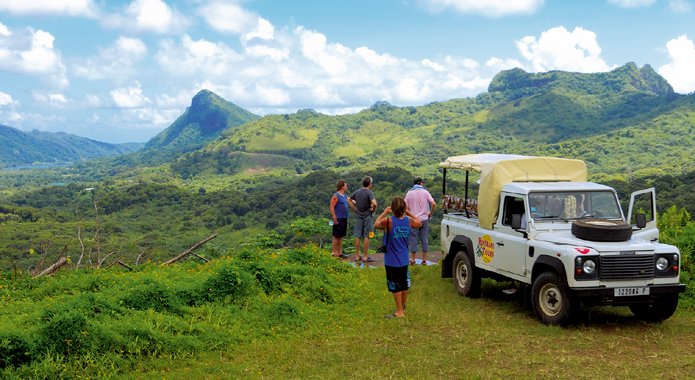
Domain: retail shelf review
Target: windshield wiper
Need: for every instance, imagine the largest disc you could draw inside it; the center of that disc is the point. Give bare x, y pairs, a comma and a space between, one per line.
551, 217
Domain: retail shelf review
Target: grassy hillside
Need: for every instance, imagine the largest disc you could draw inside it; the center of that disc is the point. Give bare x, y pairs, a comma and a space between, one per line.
608, 118
19, 148
299, 313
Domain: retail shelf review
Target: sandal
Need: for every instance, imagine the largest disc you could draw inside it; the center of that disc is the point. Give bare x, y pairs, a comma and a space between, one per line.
392, 316
412, 262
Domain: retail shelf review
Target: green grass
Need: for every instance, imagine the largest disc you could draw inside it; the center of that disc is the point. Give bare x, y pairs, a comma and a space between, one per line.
308, 316
448, 336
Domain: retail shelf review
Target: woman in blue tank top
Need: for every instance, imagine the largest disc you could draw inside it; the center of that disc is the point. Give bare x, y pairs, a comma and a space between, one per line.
397, 230
339, 212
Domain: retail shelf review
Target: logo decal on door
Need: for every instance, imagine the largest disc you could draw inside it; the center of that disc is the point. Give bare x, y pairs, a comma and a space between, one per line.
485, 249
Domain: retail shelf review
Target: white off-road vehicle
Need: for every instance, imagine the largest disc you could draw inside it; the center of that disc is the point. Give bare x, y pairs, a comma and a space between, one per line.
539, 222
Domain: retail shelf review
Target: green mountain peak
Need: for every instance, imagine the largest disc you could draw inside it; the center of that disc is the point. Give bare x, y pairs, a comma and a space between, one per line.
628, 78
203, 121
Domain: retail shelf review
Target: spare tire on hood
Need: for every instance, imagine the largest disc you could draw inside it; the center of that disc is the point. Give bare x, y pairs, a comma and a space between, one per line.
601, 230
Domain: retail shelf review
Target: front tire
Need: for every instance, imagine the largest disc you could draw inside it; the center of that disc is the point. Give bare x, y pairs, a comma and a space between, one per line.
466, 276
662, 309
551, 299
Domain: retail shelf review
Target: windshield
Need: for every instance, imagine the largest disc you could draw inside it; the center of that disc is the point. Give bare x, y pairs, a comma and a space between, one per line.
574, 205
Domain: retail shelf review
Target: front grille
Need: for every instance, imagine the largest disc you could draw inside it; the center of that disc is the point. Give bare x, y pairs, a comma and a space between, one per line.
626, 267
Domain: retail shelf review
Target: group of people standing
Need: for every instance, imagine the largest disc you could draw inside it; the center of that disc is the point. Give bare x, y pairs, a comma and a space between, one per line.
408, 224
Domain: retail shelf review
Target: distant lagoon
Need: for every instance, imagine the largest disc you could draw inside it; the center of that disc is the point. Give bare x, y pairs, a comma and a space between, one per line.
37, 166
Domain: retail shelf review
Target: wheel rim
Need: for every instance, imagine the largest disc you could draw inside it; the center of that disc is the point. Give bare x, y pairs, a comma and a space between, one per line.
462, 274
550, 300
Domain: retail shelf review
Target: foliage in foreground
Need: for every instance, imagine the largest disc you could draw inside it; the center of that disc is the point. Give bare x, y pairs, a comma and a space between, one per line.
74, 322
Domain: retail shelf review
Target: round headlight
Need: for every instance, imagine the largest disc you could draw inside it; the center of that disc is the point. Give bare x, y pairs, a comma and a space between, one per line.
589, 266
662, 263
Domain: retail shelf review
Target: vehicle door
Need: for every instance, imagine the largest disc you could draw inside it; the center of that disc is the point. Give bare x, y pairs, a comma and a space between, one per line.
644, 202
509, 244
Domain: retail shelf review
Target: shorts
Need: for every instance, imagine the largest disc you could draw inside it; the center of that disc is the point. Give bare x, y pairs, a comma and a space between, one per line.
423, 234
340, 229
363, 227
397, 278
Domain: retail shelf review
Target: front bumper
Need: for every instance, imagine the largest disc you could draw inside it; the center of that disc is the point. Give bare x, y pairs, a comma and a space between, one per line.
604, 295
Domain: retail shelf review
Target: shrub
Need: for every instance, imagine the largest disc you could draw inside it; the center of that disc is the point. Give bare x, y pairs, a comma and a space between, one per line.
64, 333
231, 284
284, 311
15, 349
152, 295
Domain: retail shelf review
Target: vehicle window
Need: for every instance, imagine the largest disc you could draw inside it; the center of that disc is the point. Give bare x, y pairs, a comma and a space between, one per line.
573, 205
512, 205
643, 205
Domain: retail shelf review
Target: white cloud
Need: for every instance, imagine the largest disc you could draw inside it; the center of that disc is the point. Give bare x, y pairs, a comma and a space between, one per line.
115, 62
492, 8
94, 101
558, 49
130, 97
28, 51
266, 51
6, 100
300, 68
145, 118
31, 52
196, 57
679, 73
503, 64
85, 8
149, 16
57, 100
632, 3
29, 121
228, 17
679, 6
263, 30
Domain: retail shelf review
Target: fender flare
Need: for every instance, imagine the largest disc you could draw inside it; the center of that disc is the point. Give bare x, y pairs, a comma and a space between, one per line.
459, 241
548, 261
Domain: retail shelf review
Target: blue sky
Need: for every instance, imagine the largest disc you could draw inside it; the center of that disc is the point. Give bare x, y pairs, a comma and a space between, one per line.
122, 71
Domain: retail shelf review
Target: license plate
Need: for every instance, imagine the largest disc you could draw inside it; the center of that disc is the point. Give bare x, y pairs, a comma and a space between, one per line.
622, 292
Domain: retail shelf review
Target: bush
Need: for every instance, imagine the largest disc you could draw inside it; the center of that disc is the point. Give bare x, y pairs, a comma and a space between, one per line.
15, 349
65, 333
152, 295
230, 284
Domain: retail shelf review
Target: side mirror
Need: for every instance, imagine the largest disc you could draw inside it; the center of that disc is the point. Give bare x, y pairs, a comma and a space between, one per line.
640, 221
516, 221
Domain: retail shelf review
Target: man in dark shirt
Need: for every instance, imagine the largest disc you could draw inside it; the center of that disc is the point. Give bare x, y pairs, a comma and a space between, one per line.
364, 203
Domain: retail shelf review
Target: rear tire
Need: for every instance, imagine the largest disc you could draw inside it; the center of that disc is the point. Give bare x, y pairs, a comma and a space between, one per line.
551, 300
466, 276
662, 309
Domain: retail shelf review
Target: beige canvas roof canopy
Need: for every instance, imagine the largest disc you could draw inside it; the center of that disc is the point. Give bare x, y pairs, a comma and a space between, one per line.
498, 169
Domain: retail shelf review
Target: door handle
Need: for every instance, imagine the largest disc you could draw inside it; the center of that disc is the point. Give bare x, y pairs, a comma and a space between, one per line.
655, 239
500, 244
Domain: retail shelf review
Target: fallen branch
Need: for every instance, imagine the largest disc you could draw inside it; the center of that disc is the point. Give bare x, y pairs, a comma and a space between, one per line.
190, 250
104, 259
200, 257
124, 265
50, 270
142, 252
